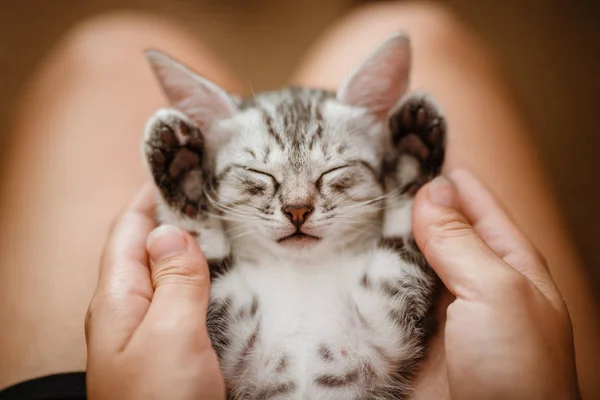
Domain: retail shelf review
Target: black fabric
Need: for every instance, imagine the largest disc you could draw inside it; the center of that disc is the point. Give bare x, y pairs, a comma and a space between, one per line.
68, 386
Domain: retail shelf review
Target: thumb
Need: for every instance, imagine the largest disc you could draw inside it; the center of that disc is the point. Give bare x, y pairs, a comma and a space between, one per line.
180, 279
459, 256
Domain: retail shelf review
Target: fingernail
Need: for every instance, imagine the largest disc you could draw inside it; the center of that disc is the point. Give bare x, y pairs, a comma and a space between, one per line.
442, 192
165, 241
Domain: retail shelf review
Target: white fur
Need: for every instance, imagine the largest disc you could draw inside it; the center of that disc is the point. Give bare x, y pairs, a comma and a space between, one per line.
313, 295
308, 296
305, 305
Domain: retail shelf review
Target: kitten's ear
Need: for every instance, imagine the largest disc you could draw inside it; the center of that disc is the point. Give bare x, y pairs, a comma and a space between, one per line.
381, 80
197, 97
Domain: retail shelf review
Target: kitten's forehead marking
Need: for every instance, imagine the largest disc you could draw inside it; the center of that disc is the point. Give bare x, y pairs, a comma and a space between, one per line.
292, 119
267, 155
269, 123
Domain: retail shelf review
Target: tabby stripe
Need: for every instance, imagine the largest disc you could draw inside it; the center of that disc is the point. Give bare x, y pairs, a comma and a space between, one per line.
395, 243
269, 123
250, 151
254, 306
217, 324
267, 155
333, 381
274, 390
407, 249
225, 171
243, 361
251, 342
389, 289
365, 282
318, 134
360, 316
219, 267
243, 312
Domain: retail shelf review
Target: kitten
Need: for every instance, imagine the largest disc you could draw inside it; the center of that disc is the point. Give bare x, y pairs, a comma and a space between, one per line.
301, 200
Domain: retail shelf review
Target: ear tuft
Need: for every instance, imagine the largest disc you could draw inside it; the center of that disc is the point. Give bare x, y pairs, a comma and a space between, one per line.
381, 80
197, 97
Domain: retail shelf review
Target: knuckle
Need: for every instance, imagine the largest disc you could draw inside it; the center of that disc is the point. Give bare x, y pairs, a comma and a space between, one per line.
444, 232
180, 270
451, 226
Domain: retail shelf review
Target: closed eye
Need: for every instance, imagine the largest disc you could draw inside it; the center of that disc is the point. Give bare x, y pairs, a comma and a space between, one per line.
259, 172
255, 171
318, 182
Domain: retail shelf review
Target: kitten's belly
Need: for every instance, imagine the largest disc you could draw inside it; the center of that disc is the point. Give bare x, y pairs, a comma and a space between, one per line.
310, 331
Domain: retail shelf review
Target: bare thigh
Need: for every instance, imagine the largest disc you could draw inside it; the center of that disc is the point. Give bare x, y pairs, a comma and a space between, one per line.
72, 161
486, 135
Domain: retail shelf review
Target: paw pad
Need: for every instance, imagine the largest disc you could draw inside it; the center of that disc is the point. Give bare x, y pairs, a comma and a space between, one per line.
174, 149
418, 129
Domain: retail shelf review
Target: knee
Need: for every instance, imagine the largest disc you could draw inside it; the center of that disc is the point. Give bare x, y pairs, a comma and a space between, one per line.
432, 27
106, 43
112, 45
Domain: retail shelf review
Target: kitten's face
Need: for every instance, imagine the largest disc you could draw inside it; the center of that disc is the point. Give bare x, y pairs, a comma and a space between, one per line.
296, 170
300, 172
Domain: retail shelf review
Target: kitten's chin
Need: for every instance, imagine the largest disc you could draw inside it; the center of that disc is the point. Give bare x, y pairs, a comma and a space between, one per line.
299, 241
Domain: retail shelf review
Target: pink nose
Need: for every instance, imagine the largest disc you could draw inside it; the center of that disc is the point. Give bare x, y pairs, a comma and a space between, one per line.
297, 214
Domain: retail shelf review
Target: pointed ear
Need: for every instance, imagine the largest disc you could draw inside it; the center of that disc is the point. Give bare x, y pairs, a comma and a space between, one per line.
197, 97
381, 80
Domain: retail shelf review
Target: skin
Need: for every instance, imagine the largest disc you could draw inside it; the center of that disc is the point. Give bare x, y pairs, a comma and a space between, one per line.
486, 134
152, 293
507, 333
84, 97
95, 91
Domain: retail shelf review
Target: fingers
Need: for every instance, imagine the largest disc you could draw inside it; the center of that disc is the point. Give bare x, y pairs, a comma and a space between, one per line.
460, 257
470, 240
124, 288
495, 226
138, 218
491, 221
181, 281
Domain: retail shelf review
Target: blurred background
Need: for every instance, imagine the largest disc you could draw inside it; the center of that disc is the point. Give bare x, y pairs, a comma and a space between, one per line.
549, 51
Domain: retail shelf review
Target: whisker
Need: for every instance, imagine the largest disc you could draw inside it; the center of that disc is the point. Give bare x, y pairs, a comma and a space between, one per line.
227, 217
224, 208
237, 228
356, 128
236, 237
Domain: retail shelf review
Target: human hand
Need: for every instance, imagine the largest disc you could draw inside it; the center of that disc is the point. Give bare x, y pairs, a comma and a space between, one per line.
507, 334
146, 325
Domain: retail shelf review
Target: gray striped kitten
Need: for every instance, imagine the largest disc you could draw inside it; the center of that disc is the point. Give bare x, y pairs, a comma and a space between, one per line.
301, 202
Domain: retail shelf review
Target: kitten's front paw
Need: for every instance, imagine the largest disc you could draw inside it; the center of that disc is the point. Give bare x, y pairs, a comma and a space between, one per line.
174, 149
418, 131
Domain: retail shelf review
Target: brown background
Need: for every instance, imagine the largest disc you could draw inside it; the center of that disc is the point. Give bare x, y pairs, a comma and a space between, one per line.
550, 52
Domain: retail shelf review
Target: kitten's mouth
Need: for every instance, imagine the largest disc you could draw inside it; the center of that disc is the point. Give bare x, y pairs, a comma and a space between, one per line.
299, 238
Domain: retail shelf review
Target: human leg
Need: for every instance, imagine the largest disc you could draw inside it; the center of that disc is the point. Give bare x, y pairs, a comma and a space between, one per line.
486, 134
72, 161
